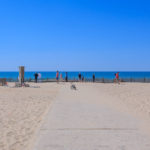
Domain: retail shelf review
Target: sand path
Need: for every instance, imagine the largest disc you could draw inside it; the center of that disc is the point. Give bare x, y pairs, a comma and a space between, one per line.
78, 121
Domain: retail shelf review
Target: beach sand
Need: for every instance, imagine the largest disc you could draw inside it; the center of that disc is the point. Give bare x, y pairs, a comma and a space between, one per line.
97, 116
131, 98
22, 110
21, 113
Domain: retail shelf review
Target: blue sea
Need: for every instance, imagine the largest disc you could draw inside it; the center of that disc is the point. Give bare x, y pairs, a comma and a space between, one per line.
74, 75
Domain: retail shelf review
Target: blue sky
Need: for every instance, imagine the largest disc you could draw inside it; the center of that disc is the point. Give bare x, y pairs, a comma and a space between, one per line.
73, 35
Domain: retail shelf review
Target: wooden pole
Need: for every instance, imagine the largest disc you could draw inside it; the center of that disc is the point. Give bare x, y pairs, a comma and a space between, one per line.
21, 75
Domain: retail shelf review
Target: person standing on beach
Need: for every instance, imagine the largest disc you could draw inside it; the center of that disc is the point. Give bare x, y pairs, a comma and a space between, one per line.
36, 76
93, 77
39, 77
61, 78
57, 76
82, 78
117, 77
79, 76
66, 78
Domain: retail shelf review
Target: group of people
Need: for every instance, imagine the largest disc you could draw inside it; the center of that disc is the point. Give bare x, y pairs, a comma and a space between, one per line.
80, 77
61, 78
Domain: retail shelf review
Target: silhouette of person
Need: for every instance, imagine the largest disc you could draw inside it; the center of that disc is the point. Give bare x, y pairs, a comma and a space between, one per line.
82, 78
79, 76
93, 77
36, 76
66, 78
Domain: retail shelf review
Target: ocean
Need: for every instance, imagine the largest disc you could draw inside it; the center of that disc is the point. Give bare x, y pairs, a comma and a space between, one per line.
74, 75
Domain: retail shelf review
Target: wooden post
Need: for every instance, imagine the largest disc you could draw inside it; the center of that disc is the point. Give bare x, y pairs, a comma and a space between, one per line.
21, 75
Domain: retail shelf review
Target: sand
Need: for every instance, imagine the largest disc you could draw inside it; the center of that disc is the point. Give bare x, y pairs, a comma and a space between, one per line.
21, 113
23, 110
96, 117
132, 98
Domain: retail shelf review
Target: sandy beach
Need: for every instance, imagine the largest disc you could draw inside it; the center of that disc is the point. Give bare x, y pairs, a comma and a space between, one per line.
23, 110
97, 116
74, 75
131, 98
21, 113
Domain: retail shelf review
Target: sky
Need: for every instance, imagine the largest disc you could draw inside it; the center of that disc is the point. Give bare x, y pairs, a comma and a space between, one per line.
75, 35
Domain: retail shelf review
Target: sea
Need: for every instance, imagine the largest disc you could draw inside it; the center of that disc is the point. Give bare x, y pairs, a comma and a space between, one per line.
74, 74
